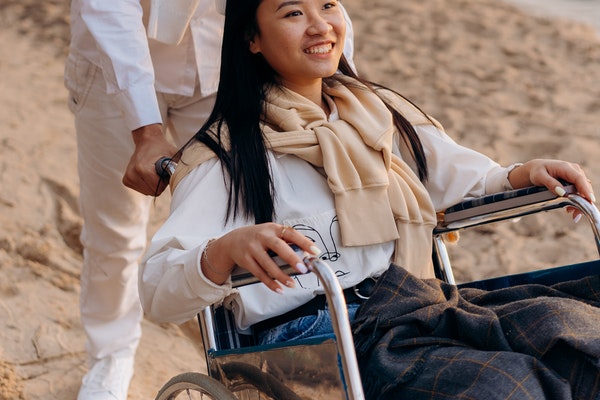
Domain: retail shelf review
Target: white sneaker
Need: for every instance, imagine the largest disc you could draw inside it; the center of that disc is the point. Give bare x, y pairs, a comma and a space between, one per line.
108, 379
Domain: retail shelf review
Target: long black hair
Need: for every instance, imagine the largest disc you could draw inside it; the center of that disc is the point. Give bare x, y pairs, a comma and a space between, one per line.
239, 105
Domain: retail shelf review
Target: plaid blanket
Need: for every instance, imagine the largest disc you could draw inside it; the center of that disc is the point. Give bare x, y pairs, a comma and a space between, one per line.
425, 339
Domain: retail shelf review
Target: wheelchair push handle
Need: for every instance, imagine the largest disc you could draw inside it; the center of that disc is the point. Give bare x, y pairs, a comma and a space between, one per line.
165, 167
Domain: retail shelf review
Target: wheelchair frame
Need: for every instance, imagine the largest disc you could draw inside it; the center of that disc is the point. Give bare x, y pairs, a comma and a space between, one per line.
228, 367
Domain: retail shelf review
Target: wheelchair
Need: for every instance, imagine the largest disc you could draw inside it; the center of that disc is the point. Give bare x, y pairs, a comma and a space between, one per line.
326, 368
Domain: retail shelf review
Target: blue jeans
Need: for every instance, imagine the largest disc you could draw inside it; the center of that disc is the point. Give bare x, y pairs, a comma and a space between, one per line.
311, 326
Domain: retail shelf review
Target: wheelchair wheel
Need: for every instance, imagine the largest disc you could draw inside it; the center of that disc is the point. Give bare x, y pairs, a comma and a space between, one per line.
192, 385
244, 376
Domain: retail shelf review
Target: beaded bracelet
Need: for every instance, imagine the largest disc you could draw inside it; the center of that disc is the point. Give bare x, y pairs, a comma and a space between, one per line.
207, 263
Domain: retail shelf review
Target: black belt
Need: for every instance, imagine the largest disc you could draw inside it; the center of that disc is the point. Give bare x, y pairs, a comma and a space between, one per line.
355, 294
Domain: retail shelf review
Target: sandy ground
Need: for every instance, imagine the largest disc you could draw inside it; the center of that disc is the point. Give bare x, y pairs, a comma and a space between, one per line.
587, 11
506, 83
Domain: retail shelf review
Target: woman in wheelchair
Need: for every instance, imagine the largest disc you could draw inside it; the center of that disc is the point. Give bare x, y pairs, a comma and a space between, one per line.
299, 150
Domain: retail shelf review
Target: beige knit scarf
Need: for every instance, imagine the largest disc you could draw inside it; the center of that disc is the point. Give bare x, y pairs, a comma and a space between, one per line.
378, 198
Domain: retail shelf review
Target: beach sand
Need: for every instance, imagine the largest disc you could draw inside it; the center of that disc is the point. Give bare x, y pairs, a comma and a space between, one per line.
501, 81
587, 11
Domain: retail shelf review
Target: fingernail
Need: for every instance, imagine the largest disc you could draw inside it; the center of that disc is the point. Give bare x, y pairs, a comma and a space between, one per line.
593, 198
290, 283
315, 250
301, 268
279, 290
559, 191
577, 218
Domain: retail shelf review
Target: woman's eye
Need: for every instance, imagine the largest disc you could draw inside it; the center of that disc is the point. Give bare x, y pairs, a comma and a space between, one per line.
293, 13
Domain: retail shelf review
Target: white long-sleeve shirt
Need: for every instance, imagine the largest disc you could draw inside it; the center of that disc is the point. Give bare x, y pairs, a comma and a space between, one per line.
173, 287
112, 35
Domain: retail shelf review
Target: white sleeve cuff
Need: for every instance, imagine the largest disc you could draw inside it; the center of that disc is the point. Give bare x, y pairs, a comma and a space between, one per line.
498, 181
140, 106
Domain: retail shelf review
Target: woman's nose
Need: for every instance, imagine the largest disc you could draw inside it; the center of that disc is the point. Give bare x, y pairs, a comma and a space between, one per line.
319, 25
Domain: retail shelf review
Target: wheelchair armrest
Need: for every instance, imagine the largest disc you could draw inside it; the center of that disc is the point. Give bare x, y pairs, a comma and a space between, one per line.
472, 211
512, 204
241, 277
502, 206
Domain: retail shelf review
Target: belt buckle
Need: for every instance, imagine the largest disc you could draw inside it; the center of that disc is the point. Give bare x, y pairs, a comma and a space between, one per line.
356, 288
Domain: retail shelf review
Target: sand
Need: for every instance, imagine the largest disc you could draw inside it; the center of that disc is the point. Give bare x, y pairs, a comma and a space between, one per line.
509, 84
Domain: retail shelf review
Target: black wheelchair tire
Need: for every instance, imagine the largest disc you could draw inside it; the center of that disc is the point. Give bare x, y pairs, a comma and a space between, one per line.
194, 382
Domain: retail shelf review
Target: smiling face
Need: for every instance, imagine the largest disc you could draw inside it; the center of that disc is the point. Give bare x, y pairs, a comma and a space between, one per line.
302, 40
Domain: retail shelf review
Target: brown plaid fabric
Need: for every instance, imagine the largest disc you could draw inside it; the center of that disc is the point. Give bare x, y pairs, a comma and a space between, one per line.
425, 339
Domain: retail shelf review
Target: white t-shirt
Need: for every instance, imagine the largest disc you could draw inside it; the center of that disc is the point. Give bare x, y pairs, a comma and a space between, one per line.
173, 288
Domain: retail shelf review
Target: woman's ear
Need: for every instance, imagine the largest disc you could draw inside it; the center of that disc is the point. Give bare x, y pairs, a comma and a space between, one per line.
254, 45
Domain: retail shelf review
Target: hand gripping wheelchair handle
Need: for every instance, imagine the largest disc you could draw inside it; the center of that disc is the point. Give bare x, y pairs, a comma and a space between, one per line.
165, 167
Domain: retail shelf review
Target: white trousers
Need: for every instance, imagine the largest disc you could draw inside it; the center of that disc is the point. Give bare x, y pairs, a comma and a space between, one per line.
115, 217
